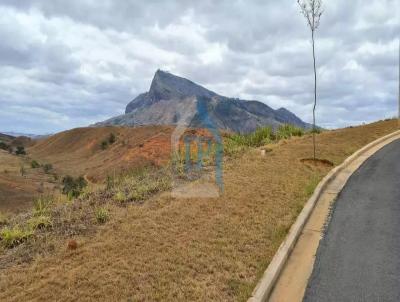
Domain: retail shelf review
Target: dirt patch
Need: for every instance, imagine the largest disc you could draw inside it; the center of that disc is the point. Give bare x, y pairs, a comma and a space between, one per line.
317, 162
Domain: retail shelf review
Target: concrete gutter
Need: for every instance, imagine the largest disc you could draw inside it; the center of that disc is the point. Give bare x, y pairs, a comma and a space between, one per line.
294, 282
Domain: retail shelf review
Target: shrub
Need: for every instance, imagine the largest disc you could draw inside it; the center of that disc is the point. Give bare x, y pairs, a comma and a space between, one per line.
4, 146
47, 168
34, 164
101, 215
316, 130
73, 187
20, 150
104, 145
12, 237
111, 139
40, 222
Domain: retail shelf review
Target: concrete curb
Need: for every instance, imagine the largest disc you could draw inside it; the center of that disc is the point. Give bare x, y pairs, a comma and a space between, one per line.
265, 286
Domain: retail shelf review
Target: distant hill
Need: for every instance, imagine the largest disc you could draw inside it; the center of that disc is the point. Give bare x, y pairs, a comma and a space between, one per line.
32, 136
175, 100
5, 138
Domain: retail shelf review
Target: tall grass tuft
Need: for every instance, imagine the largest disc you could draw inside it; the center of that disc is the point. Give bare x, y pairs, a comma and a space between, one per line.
238, 142
101, 215
41, 205
287, 131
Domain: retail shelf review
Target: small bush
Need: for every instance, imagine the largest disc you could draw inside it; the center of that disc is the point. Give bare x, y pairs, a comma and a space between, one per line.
40, 222
316, 130
101, 215
73, 187
34, 164
112, 139
47, 168
20, 150
4, 146
11, 237
104, 145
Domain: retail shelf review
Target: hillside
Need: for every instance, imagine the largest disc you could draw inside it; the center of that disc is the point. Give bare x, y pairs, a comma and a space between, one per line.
198, 249
6, 138
17, 191
80, 152
175, 100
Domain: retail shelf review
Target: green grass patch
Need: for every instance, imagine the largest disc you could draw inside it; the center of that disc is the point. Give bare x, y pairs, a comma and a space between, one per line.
236, 143
312, 185
287, 131
34, 164
11, 237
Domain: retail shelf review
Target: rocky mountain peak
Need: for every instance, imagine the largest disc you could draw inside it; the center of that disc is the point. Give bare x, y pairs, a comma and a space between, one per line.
171, 97
167, 86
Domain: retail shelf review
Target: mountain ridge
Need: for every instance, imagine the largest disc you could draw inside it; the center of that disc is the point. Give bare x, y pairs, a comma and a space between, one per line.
175, 100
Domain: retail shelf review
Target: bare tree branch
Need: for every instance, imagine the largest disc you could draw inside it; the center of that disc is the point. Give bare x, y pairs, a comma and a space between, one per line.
312, 11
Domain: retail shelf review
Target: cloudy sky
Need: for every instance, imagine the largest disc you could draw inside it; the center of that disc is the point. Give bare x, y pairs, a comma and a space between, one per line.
65, 64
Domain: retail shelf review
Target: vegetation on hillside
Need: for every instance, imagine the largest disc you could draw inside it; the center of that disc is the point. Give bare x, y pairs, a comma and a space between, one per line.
109, 141
73, 187
235, 143
20, 150
5, 146
228, 241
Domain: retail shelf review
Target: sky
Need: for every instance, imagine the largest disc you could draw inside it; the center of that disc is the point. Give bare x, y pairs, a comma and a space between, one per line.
67, 64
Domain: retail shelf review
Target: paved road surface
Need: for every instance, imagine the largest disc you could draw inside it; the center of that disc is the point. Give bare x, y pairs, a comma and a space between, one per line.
359, 257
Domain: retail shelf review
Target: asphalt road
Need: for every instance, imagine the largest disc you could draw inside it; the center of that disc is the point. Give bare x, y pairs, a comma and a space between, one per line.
359, 257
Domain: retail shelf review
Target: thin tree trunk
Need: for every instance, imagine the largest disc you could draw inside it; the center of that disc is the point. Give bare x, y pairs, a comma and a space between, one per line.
315, 94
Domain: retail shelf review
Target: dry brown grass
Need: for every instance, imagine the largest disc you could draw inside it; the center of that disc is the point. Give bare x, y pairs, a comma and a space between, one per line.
191, 249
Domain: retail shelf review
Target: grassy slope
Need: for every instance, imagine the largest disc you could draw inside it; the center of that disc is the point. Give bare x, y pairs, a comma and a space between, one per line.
78, 151
17, 191
191, 250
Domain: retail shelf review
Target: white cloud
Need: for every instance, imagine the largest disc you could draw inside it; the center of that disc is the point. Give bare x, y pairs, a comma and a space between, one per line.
71, 63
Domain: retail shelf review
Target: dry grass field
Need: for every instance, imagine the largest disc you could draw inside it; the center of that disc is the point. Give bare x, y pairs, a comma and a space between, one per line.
170, 249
